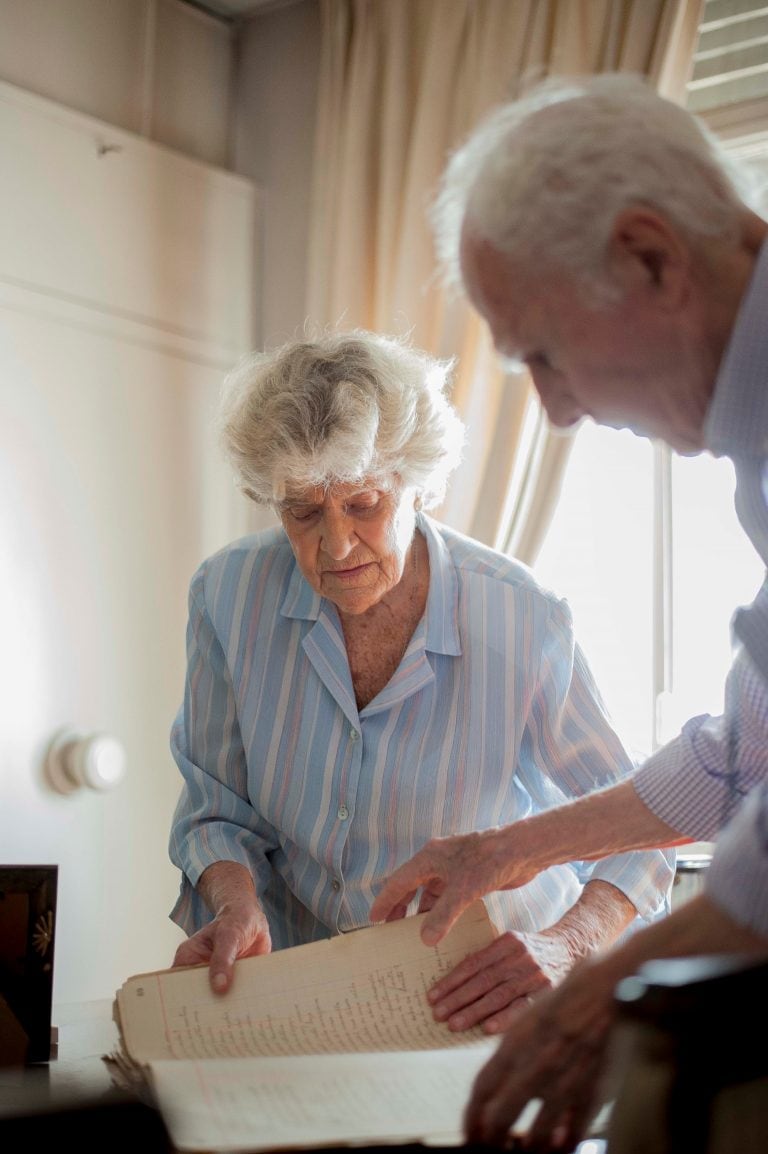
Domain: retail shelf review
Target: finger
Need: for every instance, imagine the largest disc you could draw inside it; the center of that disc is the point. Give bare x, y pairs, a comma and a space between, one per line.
515, 1076
399, 911
430, 894
502, 1020
262, 945
491, 1122
222, 965
571, 1100
443, 915
495, 1011
563, 1132
500, 1115
481, 988
497, 962
180, 958
401, 886
191, 952
486, 1086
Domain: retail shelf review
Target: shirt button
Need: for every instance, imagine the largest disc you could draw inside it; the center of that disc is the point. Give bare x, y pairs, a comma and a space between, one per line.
336, 885
353, 735
343, 813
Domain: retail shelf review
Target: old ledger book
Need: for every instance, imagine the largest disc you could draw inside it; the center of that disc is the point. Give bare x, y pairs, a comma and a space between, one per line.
327, 1043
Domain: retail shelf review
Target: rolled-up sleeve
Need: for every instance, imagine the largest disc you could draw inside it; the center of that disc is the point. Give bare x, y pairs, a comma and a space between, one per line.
697, 782
214, 819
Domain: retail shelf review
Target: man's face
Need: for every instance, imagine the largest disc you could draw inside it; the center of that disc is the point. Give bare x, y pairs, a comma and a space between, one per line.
351, 542
629, 364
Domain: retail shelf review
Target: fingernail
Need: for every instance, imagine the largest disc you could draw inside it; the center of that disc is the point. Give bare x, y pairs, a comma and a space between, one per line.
441, 1013
219, 981
491, 1026
457, 1022
432, 996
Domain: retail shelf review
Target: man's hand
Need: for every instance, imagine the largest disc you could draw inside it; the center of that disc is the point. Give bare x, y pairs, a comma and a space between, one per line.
492, 986
239, 928
553, 1051
453, 872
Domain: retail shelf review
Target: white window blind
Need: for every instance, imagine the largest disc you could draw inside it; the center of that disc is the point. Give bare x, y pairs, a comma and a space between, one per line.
731, 60
728, 86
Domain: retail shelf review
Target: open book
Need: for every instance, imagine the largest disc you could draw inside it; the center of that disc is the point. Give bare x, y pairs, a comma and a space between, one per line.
327, 1043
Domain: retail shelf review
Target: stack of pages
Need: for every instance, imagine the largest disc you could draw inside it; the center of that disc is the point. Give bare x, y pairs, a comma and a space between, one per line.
327, 1043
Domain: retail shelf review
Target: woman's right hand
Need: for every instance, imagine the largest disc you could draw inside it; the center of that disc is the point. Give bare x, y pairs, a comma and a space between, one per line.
239, 928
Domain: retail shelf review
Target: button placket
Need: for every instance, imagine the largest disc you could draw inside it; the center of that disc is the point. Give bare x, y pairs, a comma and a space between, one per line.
343, 812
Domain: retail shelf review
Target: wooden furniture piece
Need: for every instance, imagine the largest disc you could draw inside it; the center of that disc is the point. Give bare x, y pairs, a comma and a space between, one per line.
70, 1100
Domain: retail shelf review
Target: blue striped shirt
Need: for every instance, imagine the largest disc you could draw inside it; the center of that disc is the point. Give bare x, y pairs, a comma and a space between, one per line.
698, 783
492, 715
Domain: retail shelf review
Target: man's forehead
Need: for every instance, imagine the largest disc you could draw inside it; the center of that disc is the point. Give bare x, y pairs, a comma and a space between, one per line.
496, 289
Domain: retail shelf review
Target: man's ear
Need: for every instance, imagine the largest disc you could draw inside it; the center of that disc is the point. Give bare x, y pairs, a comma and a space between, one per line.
646, 251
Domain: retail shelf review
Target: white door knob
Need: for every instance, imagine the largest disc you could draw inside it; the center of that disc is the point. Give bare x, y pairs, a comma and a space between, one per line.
73, 760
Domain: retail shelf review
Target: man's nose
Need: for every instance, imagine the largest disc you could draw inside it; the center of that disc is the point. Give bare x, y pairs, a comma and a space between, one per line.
561, 408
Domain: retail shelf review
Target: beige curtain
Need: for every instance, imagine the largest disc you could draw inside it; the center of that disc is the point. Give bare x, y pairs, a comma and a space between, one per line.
402, 82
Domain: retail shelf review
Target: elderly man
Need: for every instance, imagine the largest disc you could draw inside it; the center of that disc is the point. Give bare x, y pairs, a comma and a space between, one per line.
604, 241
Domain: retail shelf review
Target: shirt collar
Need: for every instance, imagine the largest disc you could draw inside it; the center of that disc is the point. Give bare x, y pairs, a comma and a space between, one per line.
442, 629
737, 421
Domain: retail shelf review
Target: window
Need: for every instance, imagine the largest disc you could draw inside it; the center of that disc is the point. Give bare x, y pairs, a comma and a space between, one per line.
652, 616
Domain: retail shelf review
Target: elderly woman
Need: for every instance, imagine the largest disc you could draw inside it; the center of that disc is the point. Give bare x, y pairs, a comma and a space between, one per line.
362, 679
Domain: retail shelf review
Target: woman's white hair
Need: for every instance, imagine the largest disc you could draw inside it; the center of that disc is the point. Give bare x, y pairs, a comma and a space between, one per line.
341, 408
544, 178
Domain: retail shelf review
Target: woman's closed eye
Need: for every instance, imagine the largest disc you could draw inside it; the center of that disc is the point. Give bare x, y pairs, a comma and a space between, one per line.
306, 514
361, 508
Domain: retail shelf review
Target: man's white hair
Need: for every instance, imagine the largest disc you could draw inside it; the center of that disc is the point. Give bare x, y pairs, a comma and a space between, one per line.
544, 178
342, 408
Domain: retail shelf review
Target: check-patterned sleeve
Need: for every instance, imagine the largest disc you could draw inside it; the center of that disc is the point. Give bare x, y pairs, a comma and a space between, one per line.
492, 715
718, 766
697, 782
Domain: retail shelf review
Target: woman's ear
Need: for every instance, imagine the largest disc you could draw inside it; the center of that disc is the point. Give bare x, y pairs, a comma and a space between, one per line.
647, 252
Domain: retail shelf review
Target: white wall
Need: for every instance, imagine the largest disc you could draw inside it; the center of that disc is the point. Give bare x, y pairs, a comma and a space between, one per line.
125, 295
110, 489
160, 68
277, 77
104, 451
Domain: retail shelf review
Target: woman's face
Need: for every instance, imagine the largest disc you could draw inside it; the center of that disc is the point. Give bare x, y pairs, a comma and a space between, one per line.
351, 542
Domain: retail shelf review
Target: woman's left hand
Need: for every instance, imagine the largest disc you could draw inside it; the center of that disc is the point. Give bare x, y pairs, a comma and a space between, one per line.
492, 986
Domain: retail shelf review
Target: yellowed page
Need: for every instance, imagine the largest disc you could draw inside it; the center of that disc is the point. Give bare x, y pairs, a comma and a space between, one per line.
228, 1104
359, 992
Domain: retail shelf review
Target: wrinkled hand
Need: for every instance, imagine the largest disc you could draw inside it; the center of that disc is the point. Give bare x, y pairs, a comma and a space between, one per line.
237, 931
553, 1051
453, 872
492, 986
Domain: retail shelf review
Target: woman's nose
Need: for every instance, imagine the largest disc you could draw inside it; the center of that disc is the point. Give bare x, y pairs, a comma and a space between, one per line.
338, 535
